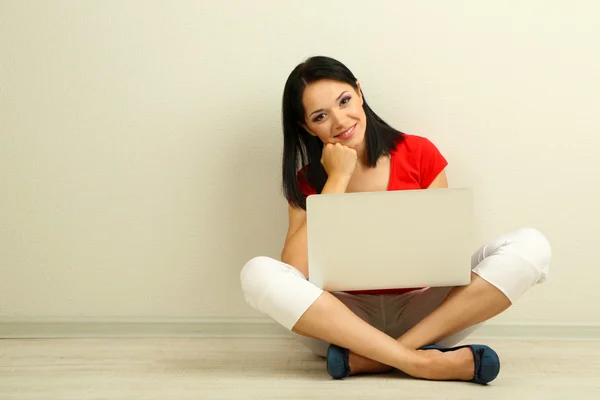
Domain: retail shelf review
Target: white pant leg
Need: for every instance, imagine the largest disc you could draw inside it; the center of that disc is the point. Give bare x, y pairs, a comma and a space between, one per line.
283, 293
278, 290
512, 263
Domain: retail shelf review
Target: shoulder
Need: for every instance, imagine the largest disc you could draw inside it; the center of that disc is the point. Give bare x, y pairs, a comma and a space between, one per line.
418, 161
413, 143
415, 147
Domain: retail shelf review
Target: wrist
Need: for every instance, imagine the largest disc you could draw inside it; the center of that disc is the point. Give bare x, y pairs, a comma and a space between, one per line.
339, 177
336, 183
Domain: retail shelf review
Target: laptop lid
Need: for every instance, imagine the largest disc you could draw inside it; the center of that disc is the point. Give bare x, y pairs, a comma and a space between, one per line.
390, 239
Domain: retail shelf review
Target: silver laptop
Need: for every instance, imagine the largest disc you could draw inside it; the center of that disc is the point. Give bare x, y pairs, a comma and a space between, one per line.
391, 239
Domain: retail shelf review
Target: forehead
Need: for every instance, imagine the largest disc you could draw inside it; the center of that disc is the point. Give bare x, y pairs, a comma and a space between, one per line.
323, 93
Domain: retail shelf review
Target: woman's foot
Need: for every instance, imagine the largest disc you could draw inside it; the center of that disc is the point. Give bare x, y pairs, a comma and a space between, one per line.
453, 365
486, 363
361, 365
342, 363
474, 363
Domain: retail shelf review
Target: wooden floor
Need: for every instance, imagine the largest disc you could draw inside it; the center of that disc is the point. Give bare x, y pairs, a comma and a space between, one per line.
269, 369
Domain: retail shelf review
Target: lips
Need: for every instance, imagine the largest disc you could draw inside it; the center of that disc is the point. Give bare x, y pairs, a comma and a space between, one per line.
346, 133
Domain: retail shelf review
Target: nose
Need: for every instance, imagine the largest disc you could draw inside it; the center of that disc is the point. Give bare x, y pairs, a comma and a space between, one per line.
337, 118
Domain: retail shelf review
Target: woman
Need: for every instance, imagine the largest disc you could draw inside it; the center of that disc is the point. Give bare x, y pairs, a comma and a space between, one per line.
342, 146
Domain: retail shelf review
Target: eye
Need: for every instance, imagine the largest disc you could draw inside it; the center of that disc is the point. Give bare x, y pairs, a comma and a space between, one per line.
345, 100
319, 117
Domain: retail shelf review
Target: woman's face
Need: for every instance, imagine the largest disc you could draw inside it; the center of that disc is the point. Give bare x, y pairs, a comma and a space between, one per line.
334, 113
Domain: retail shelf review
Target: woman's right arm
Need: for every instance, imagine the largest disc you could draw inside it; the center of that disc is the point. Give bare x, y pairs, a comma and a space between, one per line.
295, 249
339, 162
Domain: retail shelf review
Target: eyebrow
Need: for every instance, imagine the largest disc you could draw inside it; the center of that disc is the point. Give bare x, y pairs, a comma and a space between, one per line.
320, 109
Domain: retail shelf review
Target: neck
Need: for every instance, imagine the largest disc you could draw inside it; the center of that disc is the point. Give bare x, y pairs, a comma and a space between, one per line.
361, 154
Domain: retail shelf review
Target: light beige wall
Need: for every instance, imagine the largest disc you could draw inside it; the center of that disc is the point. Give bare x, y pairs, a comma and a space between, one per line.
140, 141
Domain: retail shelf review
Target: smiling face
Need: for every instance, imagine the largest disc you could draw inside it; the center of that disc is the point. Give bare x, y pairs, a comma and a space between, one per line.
334, 113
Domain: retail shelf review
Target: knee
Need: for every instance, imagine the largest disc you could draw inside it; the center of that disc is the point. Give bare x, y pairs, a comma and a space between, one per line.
254, 268
254, 278
533, 246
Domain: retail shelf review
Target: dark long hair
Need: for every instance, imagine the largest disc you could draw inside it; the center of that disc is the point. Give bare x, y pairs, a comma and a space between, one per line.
300, 149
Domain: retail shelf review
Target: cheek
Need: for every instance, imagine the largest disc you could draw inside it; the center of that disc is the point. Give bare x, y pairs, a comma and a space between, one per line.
362, 117
321, 130
358, 112
323, 134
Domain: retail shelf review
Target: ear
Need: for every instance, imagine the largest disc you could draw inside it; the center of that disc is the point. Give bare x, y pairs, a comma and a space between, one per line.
306, 129
359, 91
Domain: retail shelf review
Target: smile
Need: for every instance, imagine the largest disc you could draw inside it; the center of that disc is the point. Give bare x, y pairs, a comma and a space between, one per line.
347, 133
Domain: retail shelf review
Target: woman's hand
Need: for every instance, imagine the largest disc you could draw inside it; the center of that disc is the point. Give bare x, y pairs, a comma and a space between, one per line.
339, 160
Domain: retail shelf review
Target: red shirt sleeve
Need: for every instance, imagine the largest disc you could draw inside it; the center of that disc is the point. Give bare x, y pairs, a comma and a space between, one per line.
303, 184
432, 163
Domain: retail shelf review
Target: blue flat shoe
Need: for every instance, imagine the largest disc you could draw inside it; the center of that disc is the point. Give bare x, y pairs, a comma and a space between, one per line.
337, 362
487, 362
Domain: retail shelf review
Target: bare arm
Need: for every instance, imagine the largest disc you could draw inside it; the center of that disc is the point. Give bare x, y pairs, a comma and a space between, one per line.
295, 249
440, 181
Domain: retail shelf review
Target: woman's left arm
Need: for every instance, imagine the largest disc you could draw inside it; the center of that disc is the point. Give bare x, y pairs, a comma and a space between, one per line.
440, 181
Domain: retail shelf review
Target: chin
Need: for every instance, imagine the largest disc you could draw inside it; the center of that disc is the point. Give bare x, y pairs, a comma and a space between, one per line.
357, 141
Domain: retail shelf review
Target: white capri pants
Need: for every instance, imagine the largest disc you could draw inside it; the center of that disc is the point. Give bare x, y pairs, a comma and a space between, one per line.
513, 263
